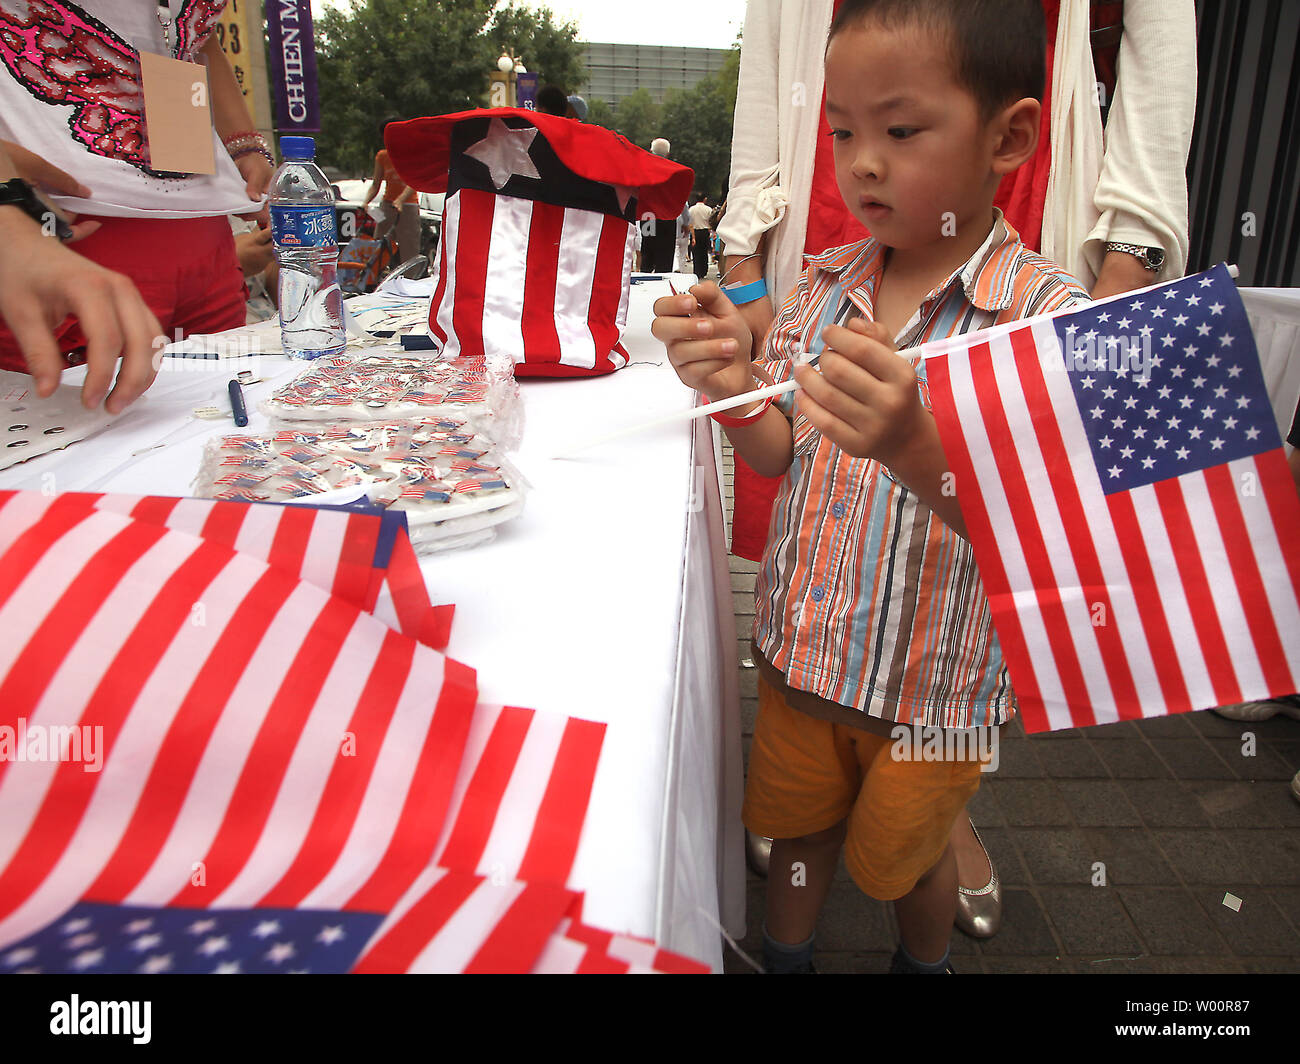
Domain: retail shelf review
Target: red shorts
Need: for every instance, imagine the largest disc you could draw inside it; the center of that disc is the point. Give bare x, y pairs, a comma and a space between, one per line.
185, 268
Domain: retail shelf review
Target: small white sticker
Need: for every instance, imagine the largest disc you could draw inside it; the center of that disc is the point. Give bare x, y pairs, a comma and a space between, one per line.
1232, 902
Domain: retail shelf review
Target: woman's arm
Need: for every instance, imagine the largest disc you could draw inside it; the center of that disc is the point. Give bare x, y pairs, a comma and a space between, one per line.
230, 116
1142, 192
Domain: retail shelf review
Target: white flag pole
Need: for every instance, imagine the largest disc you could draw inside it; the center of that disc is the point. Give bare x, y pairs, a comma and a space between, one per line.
681, 415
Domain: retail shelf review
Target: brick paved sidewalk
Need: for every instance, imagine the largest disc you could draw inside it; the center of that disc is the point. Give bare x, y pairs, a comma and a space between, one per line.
1173, 808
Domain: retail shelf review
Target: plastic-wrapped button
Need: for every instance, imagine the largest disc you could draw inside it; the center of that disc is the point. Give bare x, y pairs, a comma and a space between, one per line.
817, 594
838, 510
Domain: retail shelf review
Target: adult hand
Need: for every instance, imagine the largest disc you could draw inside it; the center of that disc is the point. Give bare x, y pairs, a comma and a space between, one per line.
1121, 272
45, 176
42, 282
708, 342
255, 251
257, 174
862, 395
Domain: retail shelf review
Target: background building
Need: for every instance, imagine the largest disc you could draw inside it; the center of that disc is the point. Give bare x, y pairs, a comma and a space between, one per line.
618, 70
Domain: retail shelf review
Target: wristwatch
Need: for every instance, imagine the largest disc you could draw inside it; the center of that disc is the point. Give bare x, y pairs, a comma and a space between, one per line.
1151, 258
18, 193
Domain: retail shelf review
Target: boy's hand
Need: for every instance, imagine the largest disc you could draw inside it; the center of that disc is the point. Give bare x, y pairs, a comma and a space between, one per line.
864, 399
708, 341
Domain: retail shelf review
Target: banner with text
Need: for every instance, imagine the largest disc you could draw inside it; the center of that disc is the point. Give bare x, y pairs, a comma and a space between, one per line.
293, 65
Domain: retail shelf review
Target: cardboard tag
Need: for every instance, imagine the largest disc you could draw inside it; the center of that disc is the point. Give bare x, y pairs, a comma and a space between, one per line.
178, 115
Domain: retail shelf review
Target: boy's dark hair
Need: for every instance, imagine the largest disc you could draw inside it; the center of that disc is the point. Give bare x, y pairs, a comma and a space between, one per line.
998, 47
552, 101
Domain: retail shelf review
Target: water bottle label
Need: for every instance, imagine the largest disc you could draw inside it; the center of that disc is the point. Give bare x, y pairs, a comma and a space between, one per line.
303, 227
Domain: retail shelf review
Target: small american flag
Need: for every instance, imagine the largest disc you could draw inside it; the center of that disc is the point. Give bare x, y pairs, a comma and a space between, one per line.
263, 743
1129, 504
363, 556
283, 783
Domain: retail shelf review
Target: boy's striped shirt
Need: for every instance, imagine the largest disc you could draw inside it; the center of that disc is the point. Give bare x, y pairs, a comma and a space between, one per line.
864, 597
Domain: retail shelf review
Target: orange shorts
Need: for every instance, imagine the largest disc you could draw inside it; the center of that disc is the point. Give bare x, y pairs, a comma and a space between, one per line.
806, 775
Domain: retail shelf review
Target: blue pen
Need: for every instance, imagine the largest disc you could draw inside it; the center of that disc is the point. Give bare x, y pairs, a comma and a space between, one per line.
237, 404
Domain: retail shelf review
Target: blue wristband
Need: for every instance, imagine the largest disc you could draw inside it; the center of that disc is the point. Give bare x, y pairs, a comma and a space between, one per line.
740, 294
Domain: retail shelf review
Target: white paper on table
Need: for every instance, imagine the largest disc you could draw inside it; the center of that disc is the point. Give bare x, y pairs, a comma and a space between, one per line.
261, 338
30, 426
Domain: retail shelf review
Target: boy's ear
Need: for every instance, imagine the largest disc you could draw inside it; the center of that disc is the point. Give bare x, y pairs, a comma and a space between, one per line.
1015, 132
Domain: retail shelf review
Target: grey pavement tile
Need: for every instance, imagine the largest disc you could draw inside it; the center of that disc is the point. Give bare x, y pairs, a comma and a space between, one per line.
1213, 726
1287, 900
1006, 859
983, 808
1131, 856
1016, 759
1272, 853
1029, 965
1055, 855
748, 711
1099, 803
738, 564
1030, 802
1090, 921
1049, 736
1238, 804
743, 581
1007, 862
1148, 965
1171, 923
1074, 758
1132, 760
742, 603
1271, 965
1166, 803
1258, 928
748, 683
1124, 729
1208, 857
1013, 729
1193, 759
752, 943
850, 921
1277, 797
1171, 726
1288, 751
1025, 931
850, 963
962, 947
1265, 763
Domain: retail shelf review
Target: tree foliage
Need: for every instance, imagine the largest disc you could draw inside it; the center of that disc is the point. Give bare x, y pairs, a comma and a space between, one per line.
548, 49
698, 125
386, 59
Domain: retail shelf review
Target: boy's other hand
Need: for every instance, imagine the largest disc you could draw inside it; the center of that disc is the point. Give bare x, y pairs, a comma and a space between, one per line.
708, 341
862, 396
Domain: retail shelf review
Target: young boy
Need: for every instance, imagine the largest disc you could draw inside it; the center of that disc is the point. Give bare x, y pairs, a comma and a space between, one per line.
869, 609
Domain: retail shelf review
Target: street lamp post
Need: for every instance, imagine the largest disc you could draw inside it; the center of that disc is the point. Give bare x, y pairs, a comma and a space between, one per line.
503, 92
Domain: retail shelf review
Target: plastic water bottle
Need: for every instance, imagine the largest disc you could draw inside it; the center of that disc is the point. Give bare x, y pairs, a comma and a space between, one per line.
306, 245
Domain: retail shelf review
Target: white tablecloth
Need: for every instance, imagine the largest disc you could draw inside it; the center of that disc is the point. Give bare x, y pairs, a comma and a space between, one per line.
608, 599
1274, 315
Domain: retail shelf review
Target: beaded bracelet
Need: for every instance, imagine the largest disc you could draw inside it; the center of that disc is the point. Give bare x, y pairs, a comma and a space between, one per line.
248, 142
253, 149
243, 135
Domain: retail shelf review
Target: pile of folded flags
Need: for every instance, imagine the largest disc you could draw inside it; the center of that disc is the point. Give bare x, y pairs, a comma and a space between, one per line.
234, 744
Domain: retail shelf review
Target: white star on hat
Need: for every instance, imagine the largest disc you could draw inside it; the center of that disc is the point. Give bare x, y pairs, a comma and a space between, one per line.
504, 151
